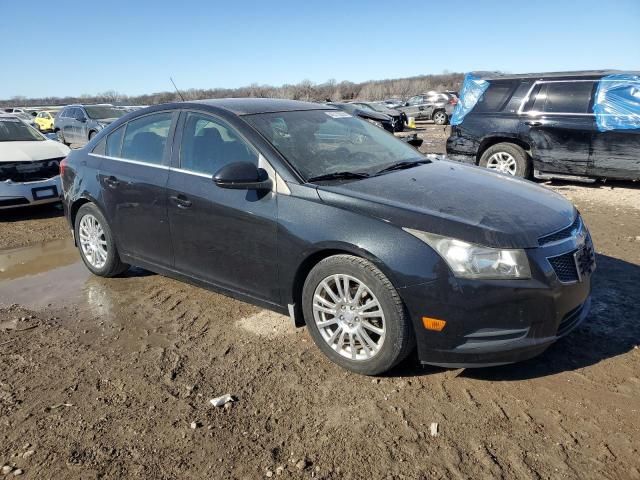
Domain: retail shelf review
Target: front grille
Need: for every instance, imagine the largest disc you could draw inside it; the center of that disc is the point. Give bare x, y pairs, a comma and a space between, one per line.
19, 172
561, 234
576, 264
565, 267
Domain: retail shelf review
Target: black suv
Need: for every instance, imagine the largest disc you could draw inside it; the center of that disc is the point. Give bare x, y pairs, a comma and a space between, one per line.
549, 124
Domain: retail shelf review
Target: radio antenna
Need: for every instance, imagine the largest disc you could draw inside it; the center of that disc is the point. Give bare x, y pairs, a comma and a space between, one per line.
174, 86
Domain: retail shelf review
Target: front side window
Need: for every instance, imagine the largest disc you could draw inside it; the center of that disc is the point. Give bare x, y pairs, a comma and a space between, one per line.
322, 142
209, 143
145, 138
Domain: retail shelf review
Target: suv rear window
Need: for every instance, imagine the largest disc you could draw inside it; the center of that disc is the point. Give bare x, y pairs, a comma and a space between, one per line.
495, 97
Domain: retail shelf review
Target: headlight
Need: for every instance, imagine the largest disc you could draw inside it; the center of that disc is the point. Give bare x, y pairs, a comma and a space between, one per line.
475, 261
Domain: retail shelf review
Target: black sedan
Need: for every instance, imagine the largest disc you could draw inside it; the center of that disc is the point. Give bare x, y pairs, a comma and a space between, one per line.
380, 119
400, 118
304, 209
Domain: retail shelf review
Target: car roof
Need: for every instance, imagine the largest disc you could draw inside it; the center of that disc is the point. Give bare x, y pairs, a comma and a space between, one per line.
576, 75
250, 106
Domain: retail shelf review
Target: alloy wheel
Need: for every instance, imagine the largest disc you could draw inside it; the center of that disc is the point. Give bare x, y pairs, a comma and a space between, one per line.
93, 241
349, 317
503, 162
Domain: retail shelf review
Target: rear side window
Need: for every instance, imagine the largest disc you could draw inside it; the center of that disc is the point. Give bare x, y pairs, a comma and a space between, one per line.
495, 97
570, 97
146, 137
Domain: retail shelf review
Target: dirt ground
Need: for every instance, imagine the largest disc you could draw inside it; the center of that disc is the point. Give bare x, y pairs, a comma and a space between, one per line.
106, 378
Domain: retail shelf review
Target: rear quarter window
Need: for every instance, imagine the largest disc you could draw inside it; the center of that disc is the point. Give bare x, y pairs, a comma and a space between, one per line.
495, 97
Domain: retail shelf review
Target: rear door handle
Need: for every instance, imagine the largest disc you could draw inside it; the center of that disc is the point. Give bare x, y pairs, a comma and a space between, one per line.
112, 181
533, 124
181, 201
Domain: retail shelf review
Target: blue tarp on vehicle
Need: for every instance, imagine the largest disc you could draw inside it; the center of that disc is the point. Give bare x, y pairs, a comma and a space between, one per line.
472, 89
617, 102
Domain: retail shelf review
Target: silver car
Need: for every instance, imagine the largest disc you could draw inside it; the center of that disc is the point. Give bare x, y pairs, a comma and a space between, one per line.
430, 106
77, 124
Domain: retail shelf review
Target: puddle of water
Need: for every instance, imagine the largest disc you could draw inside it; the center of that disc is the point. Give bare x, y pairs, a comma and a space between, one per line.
37, 276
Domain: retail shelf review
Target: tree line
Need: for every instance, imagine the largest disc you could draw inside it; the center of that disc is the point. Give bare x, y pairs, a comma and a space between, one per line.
305, 90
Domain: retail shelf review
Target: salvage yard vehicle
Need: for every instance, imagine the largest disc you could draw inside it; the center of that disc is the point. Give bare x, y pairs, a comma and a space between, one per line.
562, 125
430, 106
379, 119
77, 124
400, 118
44, 120
307, 210
29, 165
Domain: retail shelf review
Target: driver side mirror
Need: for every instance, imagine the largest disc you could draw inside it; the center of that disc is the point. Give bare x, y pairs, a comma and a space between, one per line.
242, 176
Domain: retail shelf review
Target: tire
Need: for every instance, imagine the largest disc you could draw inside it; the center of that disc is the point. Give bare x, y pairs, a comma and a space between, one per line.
377, 352
111, 265
61, 137
507, 158
92, 134
440, 117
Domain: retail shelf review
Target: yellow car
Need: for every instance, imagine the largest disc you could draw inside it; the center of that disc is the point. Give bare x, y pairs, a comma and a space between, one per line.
44, 120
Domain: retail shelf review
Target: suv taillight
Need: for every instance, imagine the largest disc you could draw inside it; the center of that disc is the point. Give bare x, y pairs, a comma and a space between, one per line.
63, 164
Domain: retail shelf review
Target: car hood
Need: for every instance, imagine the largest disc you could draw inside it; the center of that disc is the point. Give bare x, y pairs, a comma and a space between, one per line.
464, 202
31, 151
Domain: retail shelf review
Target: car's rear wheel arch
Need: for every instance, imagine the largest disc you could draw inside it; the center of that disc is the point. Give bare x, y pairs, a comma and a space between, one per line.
316, 257
491, 141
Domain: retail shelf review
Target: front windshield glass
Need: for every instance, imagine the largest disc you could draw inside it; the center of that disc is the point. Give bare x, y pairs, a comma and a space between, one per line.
100, 112
321, 142
13, 130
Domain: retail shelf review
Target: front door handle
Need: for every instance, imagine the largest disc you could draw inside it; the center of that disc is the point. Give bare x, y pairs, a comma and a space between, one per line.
112, 181
181, 201
533, 123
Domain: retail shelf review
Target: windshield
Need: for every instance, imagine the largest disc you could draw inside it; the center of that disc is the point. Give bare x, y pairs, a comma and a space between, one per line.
98, 112
321, 142
13, 130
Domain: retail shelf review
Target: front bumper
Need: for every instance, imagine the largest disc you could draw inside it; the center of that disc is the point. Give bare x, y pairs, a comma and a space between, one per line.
22, 194
496, 322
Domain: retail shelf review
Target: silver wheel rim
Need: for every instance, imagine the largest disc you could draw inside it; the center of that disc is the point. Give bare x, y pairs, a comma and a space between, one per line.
92, 241
440, 117
502, 162
349, 317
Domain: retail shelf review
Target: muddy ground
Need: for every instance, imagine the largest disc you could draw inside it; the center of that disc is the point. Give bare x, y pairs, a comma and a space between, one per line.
103, 378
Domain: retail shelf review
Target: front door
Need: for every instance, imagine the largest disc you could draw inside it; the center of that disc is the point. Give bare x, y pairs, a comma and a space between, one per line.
558, 126
133, 175
225, 237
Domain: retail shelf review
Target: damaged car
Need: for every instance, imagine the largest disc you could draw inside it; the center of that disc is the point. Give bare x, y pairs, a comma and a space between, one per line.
307, 210
550, 125
29, 165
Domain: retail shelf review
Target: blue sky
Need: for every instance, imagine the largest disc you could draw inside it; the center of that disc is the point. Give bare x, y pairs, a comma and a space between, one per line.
74, 47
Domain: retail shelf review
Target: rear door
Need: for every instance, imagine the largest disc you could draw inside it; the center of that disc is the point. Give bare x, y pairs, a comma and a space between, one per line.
557, 123
82, 121
226, 237
69, 124
133, 176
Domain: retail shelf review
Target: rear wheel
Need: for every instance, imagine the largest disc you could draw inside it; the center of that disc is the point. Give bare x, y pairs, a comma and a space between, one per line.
96, 243
355, 315
506, 158
92, 134
440, 117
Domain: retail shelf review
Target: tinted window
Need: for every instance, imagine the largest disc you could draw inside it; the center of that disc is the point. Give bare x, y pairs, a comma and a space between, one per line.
494, 98
99, 149
569, 97
208, 144
114, 142
79, 114
146, 137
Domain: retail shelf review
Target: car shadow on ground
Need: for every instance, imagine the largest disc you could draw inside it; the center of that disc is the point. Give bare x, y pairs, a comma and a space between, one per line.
35, 212
611, 329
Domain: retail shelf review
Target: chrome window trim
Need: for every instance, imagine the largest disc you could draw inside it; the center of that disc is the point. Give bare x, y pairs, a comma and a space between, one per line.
125, 160
535, 113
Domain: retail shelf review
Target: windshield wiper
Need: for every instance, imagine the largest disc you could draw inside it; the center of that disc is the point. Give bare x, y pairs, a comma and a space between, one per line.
402, 165
338, 176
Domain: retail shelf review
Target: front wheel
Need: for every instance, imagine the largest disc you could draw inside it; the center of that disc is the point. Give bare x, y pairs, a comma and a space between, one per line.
355, 315
506, 158
440, 118
96, 243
